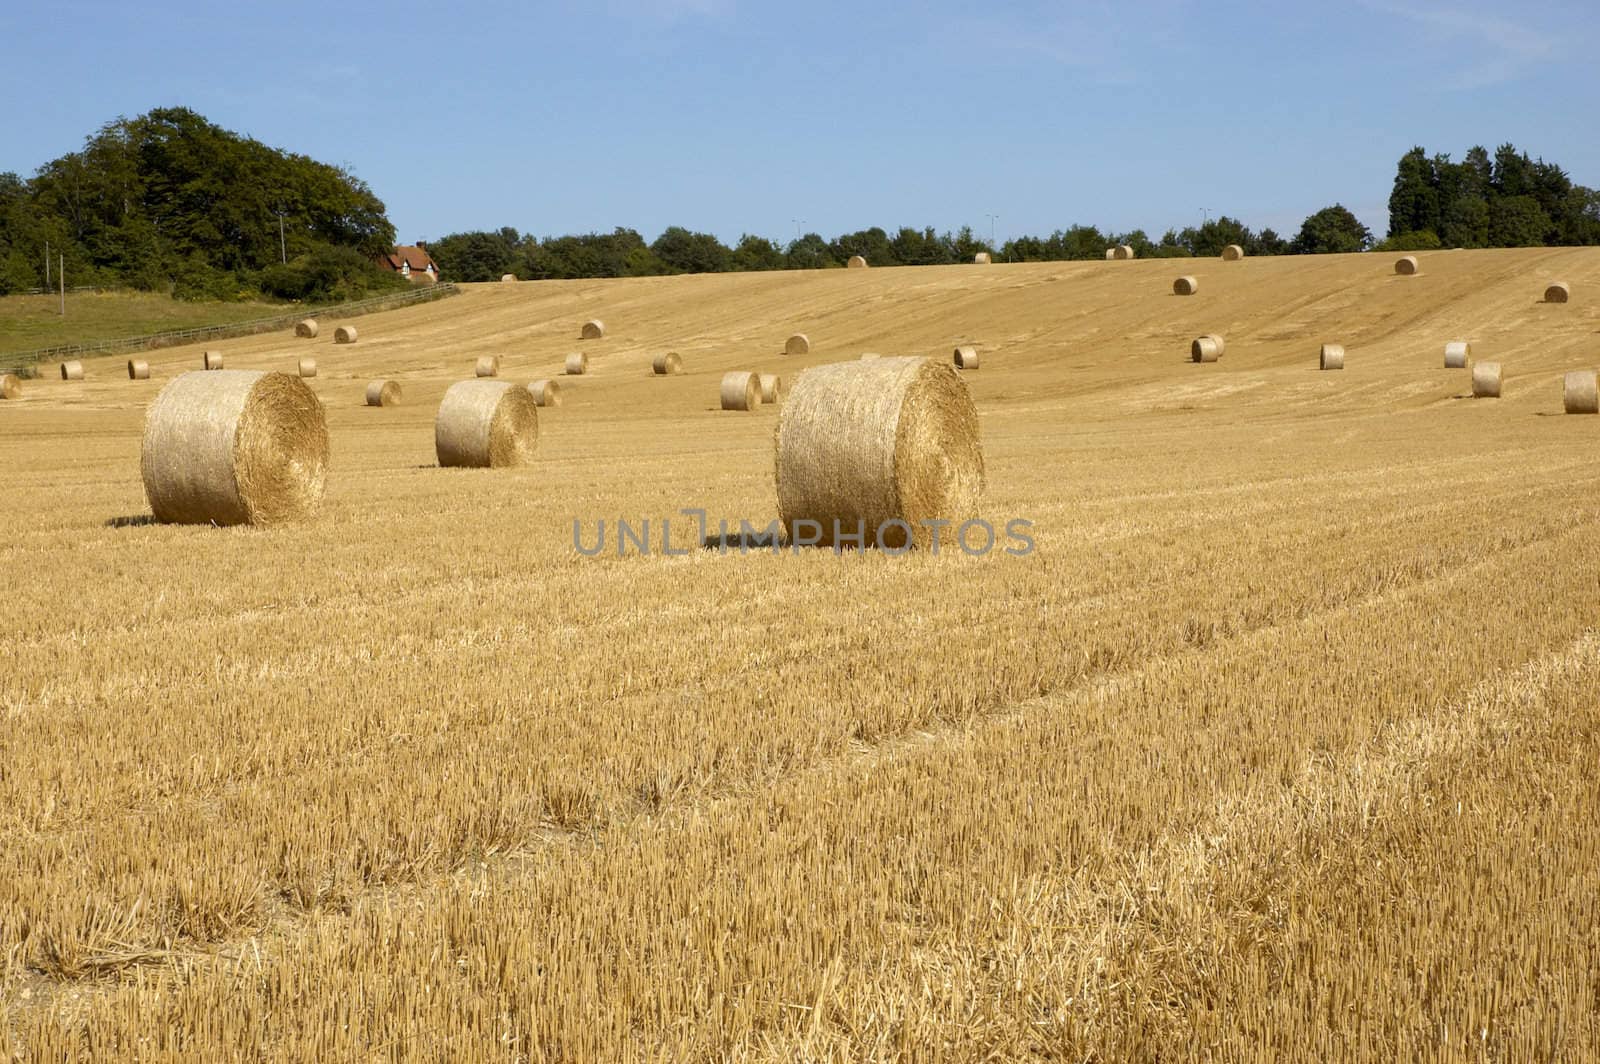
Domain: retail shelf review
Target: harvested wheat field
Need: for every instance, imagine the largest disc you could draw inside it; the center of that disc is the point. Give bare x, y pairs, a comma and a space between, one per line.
1279, 744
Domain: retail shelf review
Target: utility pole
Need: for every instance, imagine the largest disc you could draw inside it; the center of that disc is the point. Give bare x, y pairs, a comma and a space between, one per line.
992, 217
1205, 215
47, 267
61, 275
283, 249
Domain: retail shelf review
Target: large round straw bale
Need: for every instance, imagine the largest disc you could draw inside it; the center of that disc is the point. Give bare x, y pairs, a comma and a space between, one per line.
308, 367
1113, 253
593, 329
487, 366
1232, 253
138, 369
72, 371
1580, 392
798, 344
234, 447
865, 445
1185, 286
344, 334
1331, 356
10, 386
211, 360
857, 262
508, 278
1125, 251
577, 364
1406, 265
1557, 293
306, 328
545, 393
1486, 378
1205, 349
1216, 338
383, 393
1456, 353
740, 391
771, 387
981, 259
965, 357
669, 363
486, 424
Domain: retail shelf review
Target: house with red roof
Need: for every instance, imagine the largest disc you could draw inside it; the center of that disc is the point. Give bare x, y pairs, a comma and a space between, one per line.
411, 262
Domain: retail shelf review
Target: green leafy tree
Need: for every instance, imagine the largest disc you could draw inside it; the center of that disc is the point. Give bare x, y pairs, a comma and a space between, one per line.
1414, 200
873, 244
680, 251
810, 252
478, 256
1517, 222
1466, 223
1331, 231
757, 253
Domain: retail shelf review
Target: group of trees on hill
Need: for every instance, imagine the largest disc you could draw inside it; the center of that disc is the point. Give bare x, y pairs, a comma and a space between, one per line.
1505, 201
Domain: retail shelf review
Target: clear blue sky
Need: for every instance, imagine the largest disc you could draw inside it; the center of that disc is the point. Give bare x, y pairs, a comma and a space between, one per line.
733, 116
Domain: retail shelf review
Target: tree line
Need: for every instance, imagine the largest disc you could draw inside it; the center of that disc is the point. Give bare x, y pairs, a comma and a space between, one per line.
1505, 201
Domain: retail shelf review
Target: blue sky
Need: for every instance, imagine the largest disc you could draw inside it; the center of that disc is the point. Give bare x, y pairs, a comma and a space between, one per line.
732, 116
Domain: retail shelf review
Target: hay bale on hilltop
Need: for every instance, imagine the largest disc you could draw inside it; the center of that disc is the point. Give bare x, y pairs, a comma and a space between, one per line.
857, 262
740, 391
1456, 353
981, 259
211, 360
508, 278
1580, 392
798, 344
865, 445
577, 364
771, 387
1557, 293
233, 447
308, 367
344, 334
383, 393
1185, 286
1406, 265
306, 328
545, 392
1126, 251
1486, 380
1112, 254
486, 366
484, 424
138, 369
72, 371
1331, 356
1205, 349
593, 329
868, 356
667, 364
10, 386
965, 357
1232, 253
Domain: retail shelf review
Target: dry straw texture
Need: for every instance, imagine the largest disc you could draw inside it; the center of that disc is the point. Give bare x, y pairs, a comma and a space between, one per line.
308, 367
487, 366
383, 393
1232, 253
545, 393
669, 363
508, 278
1205, 349
1111, 253
307, 328
966, 358
234, 447
1456, 353
981, 258
798, 344
211, 360
593, 329
1216, 338
863, 445
1580, 393
577, 364
771, 387
1557, 293
10, 386
72, 371
857, 263
868, 356
486, 424
740, 391
1331, 356
1486, 378
1185, 286
1406, 265
344, 334
138, 369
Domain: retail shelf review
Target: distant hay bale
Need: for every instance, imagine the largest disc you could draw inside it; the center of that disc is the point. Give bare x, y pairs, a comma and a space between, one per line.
383, 393
1125, 251
1112, 253
1456, 353
1486, 377
545, 393
771, 387
72, 371
508, 278
577, 364
1185, 286
1580, 392
798, 344
1232, 253
1216, 338
1557, 293
1331, 356
138, 369
667, 364
866, 445
308, 367
306, 328
857, 262
1406, 265
485, 424
211, 360
10, 386
868, 356
965, 358
981, 259
344, 334
740, 391
1204, 349
487, 366
234, 447
593, 329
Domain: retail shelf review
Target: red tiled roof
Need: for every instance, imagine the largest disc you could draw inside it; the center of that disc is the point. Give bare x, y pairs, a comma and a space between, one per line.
419, 259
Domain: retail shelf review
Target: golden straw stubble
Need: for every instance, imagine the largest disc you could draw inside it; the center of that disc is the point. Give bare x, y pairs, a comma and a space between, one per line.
486, 424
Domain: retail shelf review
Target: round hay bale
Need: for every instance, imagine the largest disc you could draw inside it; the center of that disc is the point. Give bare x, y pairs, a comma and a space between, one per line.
344, 334
577, 364
857, 262
868, 356
740, 391
1406, 265
593, 329
545, 393
1125, 251
486, 425
1185, 286
798, 344
1216, 338
966, 358
1232, 253
1580, 392
487, 366
72, 371
865, 445
138, 369
1204, 349
306, 328
771, 387
1557, 293
1331, 357
234, 447
211, 360
10, 386
664, 365
308, 367
383, 393
981, 259
1113, 253
508, 278
1456, 353
1486, 377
